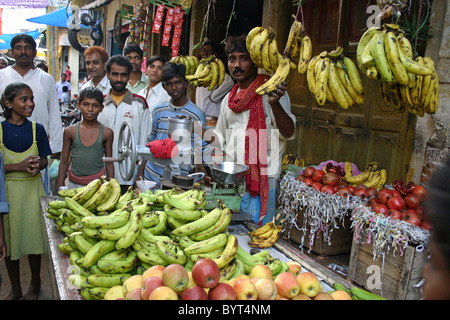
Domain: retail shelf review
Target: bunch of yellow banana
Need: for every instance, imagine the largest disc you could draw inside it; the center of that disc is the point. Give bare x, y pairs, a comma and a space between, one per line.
371, 177
265, 236
191, 63
263, 49
420, 98
292, 158
333, 77
298, 46
209, 73
387, 54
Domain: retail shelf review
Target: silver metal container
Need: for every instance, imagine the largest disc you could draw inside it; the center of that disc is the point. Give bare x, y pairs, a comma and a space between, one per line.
228, 173
181, 126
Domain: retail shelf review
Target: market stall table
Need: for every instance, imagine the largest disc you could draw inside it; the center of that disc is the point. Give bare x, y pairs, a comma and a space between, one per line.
61, 269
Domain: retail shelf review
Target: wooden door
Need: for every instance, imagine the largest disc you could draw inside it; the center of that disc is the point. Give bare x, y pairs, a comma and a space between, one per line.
362, 133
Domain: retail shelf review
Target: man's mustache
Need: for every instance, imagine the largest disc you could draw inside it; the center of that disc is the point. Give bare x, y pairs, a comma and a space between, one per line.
238, 70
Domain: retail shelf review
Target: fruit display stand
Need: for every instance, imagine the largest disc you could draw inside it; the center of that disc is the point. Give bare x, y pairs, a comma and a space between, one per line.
387, 255
317, 221
60, 267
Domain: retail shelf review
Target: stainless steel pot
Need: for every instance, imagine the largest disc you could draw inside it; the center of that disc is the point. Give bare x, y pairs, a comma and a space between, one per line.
228, 173
180, 124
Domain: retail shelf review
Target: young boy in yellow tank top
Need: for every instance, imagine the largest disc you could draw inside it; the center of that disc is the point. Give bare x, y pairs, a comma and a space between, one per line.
85, 143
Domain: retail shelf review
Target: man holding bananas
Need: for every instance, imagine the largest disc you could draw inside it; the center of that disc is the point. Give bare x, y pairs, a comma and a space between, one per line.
266, 122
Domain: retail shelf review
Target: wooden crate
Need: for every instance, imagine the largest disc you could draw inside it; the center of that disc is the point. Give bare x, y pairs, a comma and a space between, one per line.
398, 277
340, 240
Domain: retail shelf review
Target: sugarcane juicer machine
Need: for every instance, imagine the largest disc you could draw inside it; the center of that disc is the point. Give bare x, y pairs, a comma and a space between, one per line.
228, 178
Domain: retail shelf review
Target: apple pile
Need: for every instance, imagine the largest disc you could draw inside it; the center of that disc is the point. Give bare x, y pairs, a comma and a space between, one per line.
330, 181
402, 203
174, 282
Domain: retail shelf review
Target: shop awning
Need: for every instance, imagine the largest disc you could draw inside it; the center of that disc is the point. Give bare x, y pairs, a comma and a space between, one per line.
5, 39
56, 18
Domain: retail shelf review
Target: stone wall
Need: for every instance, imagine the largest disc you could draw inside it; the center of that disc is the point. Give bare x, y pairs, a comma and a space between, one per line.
432, 137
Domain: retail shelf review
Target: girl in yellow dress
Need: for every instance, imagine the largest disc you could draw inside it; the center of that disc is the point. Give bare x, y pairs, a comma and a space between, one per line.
25, 147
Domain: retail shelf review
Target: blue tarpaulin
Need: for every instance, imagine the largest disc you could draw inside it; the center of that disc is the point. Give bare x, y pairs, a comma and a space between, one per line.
5, 39
56, 18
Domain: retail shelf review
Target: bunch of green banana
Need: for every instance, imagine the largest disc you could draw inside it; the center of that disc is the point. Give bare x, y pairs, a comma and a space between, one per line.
371, 177
209, 73
263, 49
263, 257
189, 200
298, 46
333, 77
191, 63
387, 54
419, 96
265, 236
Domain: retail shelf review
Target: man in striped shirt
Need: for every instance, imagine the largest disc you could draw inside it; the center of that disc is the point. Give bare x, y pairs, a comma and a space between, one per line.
175, 83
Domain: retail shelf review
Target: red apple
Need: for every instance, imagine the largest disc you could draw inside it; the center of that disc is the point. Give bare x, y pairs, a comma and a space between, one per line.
222, 291
318, 175
176, 277
301, 177
206, 273
194, 293
287, 285
330, 179
352, 189
149, 285
245, 290
372, 202
308, 172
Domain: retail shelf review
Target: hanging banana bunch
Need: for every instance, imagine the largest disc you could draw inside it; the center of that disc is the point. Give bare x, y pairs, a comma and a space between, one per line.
298, 46
191, 63
333, 77
263, 49
408, 84
210, 72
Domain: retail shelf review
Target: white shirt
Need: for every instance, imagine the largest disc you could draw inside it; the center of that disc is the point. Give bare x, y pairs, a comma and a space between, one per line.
47, 110
103, 85
131, 109
154, 96
209, 101
231, 127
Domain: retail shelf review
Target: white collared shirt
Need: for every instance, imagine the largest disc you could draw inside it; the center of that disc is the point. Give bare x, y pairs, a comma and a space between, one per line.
154, 96
46, 109
103, 85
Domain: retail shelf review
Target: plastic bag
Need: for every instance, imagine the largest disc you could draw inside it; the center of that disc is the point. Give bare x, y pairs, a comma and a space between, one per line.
53, 170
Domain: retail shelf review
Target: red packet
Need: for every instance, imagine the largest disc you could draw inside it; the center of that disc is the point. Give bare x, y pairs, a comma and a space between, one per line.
176, 15
158, 18
167, 27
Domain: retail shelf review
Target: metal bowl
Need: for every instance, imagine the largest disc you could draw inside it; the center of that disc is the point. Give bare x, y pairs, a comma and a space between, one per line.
228, 173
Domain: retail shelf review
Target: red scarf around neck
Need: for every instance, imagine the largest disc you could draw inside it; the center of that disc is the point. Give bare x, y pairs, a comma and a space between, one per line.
248, 99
